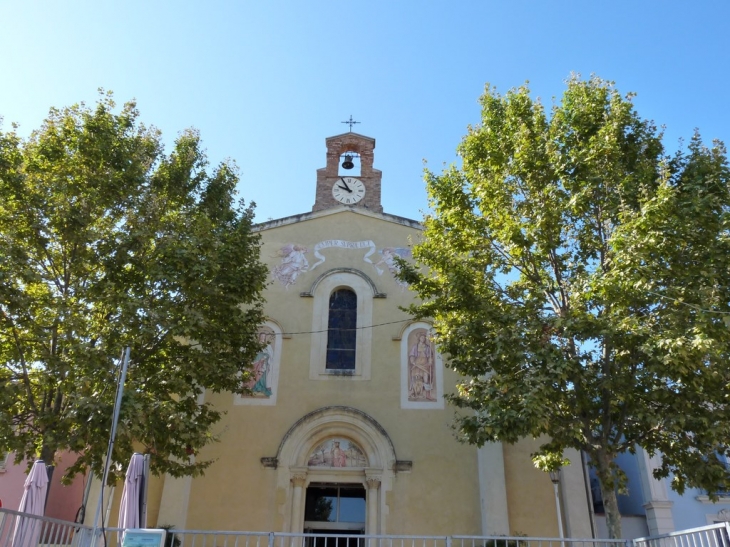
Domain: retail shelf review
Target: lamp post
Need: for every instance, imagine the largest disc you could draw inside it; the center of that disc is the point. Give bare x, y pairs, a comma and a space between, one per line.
555, 478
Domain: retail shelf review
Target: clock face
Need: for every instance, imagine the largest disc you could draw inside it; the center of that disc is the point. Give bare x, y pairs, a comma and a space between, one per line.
348, 190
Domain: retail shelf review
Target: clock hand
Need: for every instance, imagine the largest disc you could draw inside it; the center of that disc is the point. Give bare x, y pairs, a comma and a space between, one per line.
346, 186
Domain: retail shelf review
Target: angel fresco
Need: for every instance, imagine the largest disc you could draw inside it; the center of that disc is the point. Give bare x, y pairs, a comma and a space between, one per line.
293, 264
388, 255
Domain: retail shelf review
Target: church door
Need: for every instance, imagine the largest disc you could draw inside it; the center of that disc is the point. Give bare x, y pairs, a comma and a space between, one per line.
334, 509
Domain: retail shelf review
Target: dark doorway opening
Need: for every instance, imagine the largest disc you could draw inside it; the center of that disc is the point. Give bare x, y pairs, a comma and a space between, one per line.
334, 509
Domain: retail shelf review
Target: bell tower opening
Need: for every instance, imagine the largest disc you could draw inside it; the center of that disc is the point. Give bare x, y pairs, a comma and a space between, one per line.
349, 164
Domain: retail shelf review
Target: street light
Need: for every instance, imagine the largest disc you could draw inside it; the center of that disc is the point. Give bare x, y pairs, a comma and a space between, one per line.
555, 478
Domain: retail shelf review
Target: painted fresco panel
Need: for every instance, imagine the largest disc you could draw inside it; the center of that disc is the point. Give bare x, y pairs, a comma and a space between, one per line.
421, 366
293, 264
265, 369
421, 369
337, 453
387, 260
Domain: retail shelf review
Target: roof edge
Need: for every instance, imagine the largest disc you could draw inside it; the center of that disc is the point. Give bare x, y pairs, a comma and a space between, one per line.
311, 215
349, 134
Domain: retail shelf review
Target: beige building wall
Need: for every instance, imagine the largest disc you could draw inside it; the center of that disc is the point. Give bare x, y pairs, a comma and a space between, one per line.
438, 494
530, 495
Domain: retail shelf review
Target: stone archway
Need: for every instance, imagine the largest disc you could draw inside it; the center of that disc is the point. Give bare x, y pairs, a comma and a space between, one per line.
294, 473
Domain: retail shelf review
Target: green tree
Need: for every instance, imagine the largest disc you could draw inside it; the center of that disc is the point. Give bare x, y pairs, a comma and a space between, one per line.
579, 279
107, 242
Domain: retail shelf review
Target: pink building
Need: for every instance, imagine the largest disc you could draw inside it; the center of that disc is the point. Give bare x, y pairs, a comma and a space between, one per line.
63, 501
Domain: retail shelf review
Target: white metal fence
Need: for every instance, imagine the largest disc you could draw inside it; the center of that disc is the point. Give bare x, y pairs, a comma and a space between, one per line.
23, 530
520, 541
714, 535
202, 538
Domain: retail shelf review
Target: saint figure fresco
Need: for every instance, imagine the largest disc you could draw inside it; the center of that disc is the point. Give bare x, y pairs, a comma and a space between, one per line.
260, 383
421, 362
337, 453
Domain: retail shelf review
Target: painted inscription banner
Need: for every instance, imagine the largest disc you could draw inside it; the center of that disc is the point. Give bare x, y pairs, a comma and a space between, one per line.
369, 245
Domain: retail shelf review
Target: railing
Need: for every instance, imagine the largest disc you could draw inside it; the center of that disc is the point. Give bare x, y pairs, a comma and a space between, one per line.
207, 538
520, 541
714, 535
23, 530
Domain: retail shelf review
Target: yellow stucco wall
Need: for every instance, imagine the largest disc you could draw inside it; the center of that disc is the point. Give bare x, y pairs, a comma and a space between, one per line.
439, 495
530, 494
154, 495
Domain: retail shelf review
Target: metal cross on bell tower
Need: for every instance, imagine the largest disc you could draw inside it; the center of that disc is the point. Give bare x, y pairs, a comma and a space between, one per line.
350, 122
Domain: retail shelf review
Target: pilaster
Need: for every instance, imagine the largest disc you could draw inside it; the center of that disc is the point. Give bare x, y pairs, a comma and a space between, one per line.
493, 490
299, 482
372, 483
658, 506
575, 498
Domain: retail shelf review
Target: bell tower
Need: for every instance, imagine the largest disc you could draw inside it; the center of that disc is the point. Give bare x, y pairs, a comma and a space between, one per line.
362, 190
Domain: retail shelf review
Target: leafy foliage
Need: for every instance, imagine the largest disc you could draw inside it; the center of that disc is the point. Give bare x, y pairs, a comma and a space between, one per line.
107, 242
578, 278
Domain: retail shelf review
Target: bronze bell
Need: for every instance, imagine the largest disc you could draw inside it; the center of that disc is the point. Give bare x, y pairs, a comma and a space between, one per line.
347, 164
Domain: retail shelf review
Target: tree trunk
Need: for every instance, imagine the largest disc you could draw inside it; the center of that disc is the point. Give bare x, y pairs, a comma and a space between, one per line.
47, 453
607, 480
613, 516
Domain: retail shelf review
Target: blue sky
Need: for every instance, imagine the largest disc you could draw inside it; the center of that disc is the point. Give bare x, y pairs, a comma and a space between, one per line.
265, 82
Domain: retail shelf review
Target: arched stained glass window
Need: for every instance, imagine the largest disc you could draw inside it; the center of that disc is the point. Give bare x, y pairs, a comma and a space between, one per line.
342, 330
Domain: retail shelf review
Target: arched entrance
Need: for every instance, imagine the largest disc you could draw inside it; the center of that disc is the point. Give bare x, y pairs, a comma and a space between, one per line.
335, 465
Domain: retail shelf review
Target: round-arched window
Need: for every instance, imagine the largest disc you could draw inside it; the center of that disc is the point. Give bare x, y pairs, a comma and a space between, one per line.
342, 330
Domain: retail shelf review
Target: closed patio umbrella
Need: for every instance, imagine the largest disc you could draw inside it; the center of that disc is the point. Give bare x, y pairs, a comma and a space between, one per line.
130, 508
27, 530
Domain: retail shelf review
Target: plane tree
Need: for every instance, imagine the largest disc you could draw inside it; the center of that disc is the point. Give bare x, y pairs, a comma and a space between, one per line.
578, 277
106, 241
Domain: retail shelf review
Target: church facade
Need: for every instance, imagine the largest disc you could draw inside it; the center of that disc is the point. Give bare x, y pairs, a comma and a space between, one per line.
345, 429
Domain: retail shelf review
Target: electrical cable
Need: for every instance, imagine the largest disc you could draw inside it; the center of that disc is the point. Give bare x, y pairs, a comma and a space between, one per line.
327, 330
